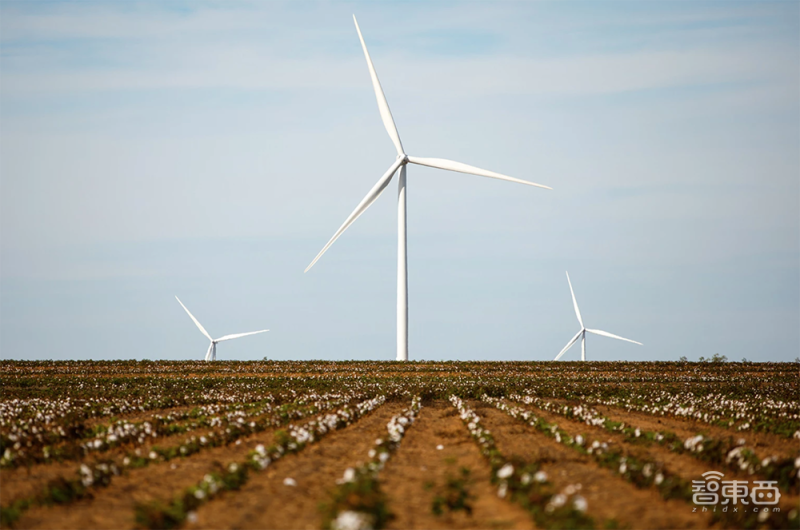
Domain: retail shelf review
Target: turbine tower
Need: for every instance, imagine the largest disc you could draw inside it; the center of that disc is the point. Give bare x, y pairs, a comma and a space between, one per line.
584, 329
211, 354
400, 164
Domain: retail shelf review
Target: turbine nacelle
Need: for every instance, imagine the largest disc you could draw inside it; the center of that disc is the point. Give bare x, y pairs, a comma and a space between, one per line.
582, 333
402, 160
211, 354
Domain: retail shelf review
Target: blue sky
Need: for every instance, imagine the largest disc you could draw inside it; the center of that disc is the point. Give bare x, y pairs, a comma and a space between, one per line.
210, 150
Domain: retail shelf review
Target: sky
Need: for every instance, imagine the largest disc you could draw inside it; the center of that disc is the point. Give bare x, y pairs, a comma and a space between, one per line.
209, 150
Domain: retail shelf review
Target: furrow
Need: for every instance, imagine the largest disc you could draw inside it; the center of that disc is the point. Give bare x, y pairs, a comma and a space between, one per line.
428, 466
609, 498
261, 484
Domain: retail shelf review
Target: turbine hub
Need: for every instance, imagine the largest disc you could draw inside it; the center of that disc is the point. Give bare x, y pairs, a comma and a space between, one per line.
403, 157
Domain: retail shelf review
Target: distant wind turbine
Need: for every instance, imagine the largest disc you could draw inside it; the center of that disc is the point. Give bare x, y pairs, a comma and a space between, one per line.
582, 333
400, 164
211, 354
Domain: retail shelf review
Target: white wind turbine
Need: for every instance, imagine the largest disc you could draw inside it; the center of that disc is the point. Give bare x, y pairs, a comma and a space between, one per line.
400, 164
582, 332
211, 354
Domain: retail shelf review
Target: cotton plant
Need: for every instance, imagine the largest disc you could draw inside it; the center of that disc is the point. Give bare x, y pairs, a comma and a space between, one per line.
357, 501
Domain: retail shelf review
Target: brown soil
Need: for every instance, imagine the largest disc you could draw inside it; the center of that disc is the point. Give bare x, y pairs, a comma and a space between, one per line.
113, 507
765, 444
418, 463
24, 482
685, 466
608, 495
265, 502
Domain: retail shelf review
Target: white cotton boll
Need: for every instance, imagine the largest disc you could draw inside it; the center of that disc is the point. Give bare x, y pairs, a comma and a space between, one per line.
579, 503
371, 453
383, 457
439, 447
349, 475
200, 494
558, 500
505, 471
763, 515
288, 481
191, 517
349, 520
502, 490
659, 479
540, 476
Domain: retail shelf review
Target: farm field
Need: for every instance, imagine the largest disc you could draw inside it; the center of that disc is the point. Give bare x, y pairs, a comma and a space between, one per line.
352, 445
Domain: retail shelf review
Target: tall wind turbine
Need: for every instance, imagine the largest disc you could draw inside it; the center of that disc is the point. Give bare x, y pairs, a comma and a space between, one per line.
584, 329
211, 354
400, 164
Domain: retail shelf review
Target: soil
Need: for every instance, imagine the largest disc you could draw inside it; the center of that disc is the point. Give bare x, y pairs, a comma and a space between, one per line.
609, 497
266, 502
418, 463
765, 444
24, 482
113, 507
685, 466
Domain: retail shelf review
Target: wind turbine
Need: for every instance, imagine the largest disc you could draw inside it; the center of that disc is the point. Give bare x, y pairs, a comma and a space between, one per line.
211, 354
584, 329
400, 164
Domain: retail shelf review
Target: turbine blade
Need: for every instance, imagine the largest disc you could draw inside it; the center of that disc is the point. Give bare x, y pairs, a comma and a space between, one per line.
569, 345
237, 335
383, 105
373, 194
574, 302
194, 319
607, 334
450, 165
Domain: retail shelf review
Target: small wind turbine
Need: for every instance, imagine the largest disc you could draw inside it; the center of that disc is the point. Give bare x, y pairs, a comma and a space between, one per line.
582, 332
211, 354
400, 164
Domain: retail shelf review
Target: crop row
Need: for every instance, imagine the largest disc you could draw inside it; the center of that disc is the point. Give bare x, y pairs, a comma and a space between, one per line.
729, 453
644, 471
295, 438
64, 490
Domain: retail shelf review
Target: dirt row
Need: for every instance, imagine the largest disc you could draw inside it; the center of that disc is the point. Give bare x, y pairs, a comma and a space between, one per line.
766, 444
412, 478
609, 497
24, 482
684, 465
